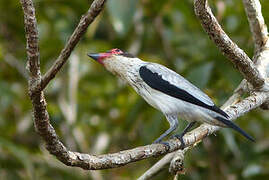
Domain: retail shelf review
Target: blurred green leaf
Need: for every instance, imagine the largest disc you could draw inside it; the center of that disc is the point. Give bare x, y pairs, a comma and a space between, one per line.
21, 155
252, 170
104, 104
121, 13
201, 74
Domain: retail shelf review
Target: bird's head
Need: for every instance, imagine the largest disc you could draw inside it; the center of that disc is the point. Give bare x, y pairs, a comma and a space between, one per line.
114, 60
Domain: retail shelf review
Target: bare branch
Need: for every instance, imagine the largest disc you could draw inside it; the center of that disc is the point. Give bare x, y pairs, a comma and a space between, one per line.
177, 163
94, 162
238, 57
41, 116
157, 167
124, 157
234, 103
171, 158
238, 92
85, 21
256, 23
32, 48
262, 63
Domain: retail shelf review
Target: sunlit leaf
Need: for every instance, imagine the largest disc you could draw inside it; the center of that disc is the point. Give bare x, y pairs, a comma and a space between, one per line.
252, 170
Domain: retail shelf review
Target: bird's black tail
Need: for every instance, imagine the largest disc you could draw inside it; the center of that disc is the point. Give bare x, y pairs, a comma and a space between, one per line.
232, 125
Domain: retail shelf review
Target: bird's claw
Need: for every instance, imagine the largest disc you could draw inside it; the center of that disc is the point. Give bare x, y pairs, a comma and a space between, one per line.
180, 138
166, 144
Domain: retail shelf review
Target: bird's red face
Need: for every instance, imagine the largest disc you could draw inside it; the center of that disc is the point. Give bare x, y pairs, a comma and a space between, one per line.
100, 57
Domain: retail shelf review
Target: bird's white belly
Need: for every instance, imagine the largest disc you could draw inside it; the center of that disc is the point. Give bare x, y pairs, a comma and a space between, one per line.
171, 105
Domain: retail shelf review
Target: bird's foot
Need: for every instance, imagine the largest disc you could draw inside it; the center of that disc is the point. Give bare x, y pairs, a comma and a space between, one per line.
166, 144
180, 138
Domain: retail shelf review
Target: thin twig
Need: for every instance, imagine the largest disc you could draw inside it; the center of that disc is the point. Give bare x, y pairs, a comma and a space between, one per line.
161, 164
238, 57
256, 23
85, 21
157, 167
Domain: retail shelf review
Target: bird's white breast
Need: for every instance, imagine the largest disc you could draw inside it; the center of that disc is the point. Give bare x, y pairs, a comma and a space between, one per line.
170, 105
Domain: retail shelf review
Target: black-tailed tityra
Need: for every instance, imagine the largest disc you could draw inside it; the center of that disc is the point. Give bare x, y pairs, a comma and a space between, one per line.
167, 91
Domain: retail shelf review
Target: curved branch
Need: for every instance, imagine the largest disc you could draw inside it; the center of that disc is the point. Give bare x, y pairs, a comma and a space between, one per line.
94, 162
228, 48
85, 21
256, 23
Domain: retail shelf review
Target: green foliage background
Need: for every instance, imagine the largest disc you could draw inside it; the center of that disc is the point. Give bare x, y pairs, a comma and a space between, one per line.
110, 115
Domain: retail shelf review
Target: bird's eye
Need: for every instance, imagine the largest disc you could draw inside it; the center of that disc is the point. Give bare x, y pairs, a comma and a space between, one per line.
116, 51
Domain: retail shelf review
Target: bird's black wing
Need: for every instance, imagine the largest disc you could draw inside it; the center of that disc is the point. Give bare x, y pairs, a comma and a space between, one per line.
155, 81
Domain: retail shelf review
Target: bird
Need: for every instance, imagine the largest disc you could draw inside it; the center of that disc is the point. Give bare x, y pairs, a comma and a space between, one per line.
167, 91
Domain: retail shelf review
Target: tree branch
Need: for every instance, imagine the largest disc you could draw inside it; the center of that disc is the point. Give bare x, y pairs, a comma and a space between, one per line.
262, 63
31, 33
85, 21
173, 158
87, 161
94, 162
253, 10
157, 167
256, 23
228, 48
177, 163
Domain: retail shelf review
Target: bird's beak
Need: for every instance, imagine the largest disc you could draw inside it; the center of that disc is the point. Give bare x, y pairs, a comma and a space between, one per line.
94, 56
99, 56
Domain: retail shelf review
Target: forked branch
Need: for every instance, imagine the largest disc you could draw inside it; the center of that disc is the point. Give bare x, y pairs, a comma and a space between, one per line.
94, 162
85, 21
228, 48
